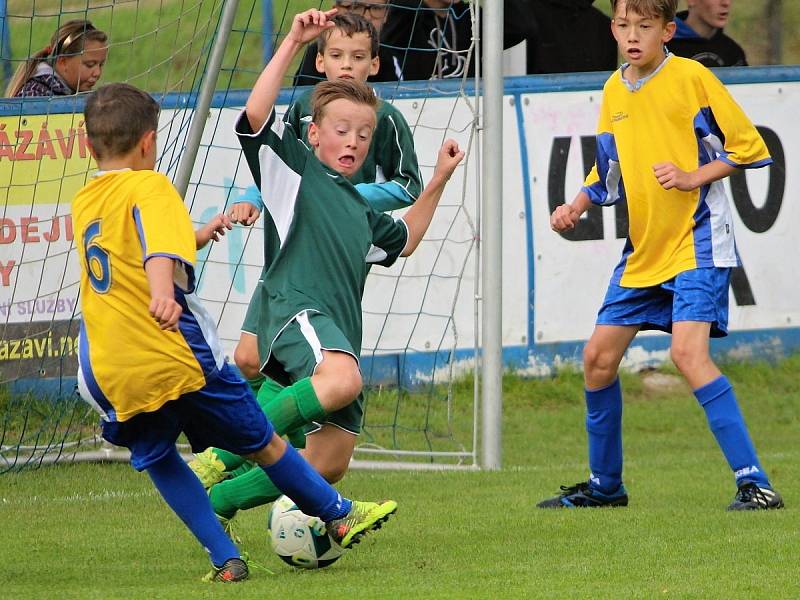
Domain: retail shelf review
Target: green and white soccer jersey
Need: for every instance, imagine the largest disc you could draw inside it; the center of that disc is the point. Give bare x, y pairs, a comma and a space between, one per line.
391, 160
327, 236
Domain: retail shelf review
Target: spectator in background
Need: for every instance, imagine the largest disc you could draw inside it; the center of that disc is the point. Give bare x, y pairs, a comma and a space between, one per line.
72, 62
429, 39
375, 12
699, 35
563, 36
432, 39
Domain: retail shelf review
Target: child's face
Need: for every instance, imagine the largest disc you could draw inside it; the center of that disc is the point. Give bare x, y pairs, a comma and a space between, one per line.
713, 13
342, 137
82, 71
640, 38
347, 57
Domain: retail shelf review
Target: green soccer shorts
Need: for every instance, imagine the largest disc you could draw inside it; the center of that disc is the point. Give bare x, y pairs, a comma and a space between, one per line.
296, 352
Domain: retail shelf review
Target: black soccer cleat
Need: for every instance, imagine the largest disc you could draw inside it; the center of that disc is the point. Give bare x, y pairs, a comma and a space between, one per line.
234, 569
582, 495
752, 497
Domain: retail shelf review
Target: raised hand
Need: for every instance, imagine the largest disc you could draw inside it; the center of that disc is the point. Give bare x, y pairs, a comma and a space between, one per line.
447, 160
307, 25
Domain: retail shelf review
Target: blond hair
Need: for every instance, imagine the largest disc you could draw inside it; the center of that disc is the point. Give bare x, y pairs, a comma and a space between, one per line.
326, 92
658, 9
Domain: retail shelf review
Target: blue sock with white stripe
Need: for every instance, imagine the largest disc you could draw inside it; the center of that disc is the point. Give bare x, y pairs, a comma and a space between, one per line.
307, 489
604, 429
183, 492
727, 424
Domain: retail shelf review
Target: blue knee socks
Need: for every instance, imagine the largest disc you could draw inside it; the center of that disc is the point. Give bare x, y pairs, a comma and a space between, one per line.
604, 429
307, 489
183, 492
727, 425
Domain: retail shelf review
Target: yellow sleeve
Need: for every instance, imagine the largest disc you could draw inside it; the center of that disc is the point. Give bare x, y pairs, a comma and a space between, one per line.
163, 223
743, 145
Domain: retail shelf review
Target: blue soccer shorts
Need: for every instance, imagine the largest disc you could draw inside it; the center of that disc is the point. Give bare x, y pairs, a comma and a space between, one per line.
224, 414
696, 295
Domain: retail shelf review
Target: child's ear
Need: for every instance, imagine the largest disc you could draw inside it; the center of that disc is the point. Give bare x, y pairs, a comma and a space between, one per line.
320, 64
669, 31
374, 66
313, 135
147, 142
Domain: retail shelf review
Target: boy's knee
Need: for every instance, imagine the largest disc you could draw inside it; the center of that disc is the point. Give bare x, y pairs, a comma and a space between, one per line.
334, 472
338, 378
246, 361
597, 361
685, 358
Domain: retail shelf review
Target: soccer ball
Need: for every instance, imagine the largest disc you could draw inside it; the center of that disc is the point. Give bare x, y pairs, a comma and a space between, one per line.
300, 540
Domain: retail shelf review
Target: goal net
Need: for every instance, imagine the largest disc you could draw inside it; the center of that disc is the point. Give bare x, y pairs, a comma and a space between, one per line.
419, 345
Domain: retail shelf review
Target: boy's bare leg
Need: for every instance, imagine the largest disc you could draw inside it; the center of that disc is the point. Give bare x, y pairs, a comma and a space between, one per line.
336, 380
690, 352
603, 353
329, 451
246, 355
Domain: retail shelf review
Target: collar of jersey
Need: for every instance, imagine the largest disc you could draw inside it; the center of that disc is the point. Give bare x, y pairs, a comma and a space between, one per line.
635, 87
101, 173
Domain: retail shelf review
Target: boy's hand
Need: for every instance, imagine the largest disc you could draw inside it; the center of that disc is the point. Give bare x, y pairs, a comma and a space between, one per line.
447, 160
670, 176
213, 230
307, 25
244, 213
166, 311
564, 218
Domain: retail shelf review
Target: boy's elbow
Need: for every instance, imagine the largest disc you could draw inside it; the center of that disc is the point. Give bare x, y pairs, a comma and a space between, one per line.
255, 117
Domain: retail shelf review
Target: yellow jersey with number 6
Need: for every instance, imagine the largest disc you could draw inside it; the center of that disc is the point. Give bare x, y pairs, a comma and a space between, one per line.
127, 364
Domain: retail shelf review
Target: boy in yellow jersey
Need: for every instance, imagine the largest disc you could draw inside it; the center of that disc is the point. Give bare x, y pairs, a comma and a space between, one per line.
149, 358
328, 234
668, 133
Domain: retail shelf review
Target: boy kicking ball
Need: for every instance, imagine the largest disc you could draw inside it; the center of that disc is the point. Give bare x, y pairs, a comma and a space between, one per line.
149, 358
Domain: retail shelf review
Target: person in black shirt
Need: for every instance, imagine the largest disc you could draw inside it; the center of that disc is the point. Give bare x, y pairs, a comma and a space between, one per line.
699, 35
564, 36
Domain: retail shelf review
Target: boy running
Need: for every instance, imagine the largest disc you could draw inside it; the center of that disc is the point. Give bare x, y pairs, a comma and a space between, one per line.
668, 133
149, 359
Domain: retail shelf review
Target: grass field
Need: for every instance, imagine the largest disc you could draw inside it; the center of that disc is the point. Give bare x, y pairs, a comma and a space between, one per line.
100, 531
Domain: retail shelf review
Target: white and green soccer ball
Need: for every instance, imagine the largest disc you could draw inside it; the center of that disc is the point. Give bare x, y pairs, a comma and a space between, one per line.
300, 540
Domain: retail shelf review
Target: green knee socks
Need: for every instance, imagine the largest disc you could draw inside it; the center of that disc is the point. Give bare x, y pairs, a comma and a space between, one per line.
252, 489
293, 407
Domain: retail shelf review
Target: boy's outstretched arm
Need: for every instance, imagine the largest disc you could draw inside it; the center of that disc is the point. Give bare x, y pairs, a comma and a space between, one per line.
306, 26
213, 230
419, 216
566, 216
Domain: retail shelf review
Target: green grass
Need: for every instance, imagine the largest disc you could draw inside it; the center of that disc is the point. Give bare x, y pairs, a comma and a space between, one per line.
100, 531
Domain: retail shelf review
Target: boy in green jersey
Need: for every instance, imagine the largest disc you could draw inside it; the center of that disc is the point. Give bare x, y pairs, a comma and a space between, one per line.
326, 234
